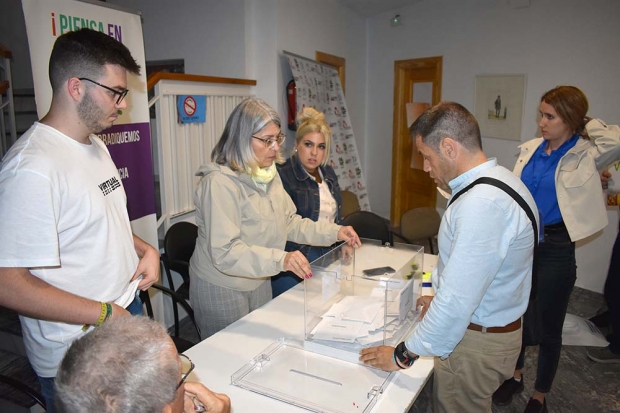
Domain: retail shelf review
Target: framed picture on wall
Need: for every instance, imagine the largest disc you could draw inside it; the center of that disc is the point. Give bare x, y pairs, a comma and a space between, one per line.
498, 105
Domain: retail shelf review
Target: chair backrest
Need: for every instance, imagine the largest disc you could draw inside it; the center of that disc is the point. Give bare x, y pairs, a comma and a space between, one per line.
179, 342
420, 224
34, 395
350, 203
369, 225
179, 245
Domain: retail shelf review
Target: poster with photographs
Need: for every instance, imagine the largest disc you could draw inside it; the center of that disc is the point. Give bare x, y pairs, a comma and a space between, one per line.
318, 86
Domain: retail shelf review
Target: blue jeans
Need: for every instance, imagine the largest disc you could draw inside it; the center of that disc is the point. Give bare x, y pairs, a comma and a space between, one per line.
287, 280
557, 272
135, 307
48, 391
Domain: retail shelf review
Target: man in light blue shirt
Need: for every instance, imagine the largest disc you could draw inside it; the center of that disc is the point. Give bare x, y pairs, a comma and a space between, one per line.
483, 276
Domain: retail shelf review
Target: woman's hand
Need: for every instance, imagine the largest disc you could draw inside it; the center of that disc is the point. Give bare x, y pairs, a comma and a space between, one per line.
296, 262
349, 235
605, 176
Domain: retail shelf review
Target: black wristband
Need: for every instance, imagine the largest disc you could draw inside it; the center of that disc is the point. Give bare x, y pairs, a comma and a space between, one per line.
403, 358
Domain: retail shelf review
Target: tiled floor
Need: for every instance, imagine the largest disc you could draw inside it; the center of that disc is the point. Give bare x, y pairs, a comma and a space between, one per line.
580, 384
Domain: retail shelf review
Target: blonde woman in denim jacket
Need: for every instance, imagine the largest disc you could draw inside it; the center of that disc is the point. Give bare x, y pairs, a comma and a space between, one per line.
312, 185
561, 170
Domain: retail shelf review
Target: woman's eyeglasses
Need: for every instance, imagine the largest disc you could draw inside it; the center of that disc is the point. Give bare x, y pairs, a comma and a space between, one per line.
271, 142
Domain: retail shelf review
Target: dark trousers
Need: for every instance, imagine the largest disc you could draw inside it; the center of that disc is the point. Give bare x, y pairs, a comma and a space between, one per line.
612, 297
557, 272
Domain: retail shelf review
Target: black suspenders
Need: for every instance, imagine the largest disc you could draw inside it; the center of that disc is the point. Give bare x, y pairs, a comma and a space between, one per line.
526, 208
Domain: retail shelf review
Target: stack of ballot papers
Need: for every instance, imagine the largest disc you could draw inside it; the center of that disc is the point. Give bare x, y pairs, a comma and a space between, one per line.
358, 319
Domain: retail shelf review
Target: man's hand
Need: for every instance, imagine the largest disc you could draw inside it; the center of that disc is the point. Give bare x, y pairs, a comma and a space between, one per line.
197, 394
425, 302
297, 262
349, 235
148, 266
381, 357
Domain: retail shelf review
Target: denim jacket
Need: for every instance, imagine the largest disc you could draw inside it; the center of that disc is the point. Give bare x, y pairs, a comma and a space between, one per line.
304, 191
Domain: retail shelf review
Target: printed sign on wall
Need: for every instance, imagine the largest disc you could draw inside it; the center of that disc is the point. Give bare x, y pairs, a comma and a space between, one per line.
192, 109
129, 140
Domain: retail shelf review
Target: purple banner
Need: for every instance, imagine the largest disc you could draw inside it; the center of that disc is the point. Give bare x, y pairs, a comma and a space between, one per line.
130, 148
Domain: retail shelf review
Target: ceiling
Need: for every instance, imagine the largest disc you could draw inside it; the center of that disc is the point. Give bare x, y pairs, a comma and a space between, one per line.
369, 8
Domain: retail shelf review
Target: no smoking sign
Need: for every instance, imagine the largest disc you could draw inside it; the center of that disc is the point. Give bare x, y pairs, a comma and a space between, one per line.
192, 108
189, 106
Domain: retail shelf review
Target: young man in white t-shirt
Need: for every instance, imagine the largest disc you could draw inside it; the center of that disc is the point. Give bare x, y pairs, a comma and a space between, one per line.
67, 253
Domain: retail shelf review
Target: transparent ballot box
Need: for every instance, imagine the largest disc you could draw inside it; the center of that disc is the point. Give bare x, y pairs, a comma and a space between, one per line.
362, 298
356, 298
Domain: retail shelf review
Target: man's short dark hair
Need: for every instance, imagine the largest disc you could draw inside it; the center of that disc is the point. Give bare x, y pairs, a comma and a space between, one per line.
447, 119
84, 53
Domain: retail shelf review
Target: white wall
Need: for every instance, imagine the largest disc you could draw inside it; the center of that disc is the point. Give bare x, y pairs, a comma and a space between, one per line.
13, 36
305, 27
208, 34
553, 42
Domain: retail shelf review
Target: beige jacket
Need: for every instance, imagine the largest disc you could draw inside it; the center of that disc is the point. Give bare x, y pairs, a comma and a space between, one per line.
242, 230
577, 180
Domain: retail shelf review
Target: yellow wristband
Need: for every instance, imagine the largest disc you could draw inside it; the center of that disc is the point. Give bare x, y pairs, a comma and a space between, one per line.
108, 312
104, 310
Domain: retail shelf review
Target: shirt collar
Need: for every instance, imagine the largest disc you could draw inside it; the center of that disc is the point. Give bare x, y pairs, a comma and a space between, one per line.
561, 151
468, 177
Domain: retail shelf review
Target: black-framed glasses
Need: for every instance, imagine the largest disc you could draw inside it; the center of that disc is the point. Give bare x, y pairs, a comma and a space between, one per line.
271, 142
187, 366
121, 94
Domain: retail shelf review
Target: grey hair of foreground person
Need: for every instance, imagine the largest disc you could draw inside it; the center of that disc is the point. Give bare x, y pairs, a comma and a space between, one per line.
234, 149
125, 365
447, 119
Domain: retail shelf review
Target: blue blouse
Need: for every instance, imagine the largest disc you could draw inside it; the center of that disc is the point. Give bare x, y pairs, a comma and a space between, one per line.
539, 177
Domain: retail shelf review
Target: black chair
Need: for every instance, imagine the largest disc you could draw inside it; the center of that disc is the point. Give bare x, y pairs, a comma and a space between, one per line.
369, 225
180, 343
32, 393
179, 245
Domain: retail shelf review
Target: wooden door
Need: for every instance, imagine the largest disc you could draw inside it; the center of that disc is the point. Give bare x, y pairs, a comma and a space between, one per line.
411, 188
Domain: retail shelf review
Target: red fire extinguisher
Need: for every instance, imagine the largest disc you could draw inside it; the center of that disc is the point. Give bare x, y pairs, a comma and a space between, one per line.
291, 100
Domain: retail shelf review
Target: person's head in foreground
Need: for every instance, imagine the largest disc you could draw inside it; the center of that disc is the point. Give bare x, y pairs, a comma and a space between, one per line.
130, 364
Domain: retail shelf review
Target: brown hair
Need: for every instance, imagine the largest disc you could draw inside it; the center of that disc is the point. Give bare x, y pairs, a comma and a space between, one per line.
571, 105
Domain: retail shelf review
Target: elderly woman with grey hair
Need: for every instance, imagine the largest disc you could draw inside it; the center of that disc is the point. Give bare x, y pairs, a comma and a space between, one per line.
244, 219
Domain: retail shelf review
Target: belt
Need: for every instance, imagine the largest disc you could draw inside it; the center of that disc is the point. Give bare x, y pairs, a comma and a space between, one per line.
556, 227
514, 326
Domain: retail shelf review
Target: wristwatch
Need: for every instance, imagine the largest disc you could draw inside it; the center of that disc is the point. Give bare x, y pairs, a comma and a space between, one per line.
402, 357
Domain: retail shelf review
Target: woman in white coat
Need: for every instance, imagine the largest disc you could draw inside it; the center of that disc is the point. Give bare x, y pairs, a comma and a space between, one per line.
561, 170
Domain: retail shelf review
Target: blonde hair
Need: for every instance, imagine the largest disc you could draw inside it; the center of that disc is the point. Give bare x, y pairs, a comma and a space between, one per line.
310, 120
